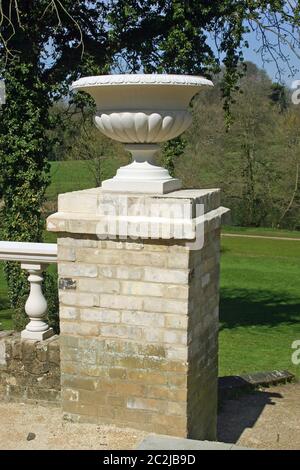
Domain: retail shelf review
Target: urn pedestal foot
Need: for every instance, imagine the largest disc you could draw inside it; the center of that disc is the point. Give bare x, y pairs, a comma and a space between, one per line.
142, 175
150, 187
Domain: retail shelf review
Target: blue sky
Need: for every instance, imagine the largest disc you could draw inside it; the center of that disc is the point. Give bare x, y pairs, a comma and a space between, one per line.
252, 55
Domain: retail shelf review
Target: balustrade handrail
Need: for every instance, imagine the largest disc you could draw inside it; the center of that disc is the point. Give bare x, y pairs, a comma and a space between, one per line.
34, 258
27, 251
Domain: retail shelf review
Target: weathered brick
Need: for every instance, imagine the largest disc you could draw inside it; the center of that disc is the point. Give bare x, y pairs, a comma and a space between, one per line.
66, 253
69, 394
92, 397
174, 423
153, 335
79, 299
117, 373
122, 302
166, 276
69, 341
181, 261
176, 292
68, 313
68, 367
88, 329
177, 353
99, 286
106, 412
166, 393
142, 288
70, 354
100, 315
98, 256
122, 331
69, 327
146, 377
124, 388
87, 356
77, 270
78, 408
146, 259
130, 417
165, 306
176, 321
143, 319
75, 382
146, 404
175, 408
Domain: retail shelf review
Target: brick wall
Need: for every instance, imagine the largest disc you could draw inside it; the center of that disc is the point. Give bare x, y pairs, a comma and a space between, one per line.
139, 334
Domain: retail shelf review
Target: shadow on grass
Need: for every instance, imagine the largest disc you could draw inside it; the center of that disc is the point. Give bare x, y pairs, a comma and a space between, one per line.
241, 413
246, 307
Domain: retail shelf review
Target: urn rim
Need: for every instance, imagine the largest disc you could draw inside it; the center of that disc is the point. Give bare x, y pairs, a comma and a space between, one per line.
141, 80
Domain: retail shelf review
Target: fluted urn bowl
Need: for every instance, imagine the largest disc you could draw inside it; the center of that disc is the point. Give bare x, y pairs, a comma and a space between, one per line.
142, 111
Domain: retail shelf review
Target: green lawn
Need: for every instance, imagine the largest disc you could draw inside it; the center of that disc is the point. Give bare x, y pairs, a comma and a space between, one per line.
5, 312
260, 303
74, 175
69, 176
265, 232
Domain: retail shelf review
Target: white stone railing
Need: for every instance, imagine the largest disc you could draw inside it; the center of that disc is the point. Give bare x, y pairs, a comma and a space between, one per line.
34, 258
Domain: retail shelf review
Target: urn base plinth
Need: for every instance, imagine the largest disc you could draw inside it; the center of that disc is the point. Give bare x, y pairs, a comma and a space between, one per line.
149, 187
142, 175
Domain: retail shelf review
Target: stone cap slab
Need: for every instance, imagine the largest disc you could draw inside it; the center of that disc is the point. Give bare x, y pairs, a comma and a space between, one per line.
162, 442
175, 215
94, 201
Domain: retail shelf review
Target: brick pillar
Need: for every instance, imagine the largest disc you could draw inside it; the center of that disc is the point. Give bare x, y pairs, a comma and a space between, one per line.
139, 319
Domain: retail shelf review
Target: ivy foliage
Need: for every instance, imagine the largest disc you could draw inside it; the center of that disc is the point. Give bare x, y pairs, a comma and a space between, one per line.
41, 45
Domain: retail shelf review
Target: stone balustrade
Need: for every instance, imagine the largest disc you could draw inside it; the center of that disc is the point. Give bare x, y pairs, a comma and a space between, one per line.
34, 258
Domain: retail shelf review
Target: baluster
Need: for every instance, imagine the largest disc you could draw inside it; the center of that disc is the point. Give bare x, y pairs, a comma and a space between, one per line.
36, 304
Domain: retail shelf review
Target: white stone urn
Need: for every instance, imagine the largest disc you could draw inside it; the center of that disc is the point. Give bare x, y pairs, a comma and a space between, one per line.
142, 111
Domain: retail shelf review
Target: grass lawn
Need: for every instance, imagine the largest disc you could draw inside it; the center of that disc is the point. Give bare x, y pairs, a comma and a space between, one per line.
75, 175
260, 303
5, 312
262, 232
69, 176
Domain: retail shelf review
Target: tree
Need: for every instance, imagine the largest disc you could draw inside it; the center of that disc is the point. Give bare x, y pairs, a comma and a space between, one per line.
176, 36
102, 155
44, 45
254, 162
289, 205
